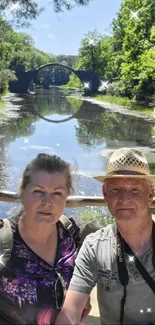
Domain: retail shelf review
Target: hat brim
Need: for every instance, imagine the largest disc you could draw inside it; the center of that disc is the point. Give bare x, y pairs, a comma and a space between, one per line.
150, 178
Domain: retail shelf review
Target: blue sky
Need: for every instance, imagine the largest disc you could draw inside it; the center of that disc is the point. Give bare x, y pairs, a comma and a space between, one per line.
61, 34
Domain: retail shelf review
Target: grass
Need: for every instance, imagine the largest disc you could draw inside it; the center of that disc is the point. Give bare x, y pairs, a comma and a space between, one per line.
1, 104
125, 102
121, 101
68, 87
64, 87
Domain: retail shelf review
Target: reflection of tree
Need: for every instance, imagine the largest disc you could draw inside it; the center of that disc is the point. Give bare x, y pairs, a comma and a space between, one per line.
18, 121
54, 103
101, 125
76, 104
13, 124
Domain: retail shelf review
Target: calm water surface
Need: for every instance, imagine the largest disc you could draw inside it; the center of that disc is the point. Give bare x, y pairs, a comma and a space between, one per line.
80, 132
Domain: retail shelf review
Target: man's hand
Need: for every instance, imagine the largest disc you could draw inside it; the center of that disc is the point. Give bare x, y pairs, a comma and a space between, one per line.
75, 309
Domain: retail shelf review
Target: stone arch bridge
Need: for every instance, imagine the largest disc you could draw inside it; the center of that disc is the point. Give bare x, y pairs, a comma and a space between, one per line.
89, 79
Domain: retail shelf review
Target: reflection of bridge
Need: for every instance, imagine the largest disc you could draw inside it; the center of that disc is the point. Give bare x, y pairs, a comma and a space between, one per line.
81, 114
89, 79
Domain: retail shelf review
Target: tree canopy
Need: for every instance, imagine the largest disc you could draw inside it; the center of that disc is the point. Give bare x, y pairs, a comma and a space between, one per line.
21, 12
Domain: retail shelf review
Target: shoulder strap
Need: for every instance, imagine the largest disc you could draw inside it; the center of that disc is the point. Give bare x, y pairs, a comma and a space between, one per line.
6, 241
67, 224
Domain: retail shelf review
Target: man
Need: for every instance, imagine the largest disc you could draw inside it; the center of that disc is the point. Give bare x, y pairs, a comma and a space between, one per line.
120, 258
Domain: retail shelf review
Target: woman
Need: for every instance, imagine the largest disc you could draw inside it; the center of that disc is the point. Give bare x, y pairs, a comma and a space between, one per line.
34, 279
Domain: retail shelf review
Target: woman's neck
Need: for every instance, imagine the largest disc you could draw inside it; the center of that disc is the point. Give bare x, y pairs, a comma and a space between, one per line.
138, 236
41, 233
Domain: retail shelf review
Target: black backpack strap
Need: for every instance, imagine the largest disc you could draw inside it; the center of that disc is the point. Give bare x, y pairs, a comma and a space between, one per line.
6, 241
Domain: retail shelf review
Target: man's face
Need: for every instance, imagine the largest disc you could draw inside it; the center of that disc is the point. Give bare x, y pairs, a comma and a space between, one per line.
128, 198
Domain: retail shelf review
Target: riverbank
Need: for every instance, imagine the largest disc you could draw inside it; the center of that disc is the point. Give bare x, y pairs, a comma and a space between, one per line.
144, 113
123, 102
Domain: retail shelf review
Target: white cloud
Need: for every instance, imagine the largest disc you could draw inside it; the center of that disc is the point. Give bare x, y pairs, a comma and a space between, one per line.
52, 36
46, 26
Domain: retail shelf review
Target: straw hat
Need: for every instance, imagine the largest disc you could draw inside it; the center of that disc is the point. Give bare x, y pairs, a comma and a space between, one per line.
127, 163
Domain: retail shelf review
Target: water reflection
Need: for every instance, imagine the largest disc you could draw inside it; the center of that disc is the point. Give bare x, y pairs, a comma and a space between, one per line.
98, 126
54, 103
72, 128
58, 105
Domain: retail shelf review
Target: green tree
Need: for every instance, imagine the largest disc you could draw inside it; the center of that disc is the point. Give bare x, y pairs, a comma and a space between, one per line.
68, 60
89, 52
133, 32
19, 12
96, 53
106, 65
17, 53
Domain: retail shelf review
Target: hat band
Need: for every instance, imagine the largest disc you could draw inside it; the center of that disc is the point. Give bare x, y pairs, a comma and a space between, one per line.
126, 172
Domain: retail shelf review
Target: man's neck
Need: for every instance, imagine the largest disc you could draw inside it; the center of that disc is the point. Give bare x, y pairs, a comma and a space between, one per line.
138, 236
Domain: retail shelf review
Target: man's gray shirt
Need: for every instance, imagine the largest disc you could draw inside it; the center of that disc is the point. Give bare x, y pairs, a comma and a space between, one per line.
97, 263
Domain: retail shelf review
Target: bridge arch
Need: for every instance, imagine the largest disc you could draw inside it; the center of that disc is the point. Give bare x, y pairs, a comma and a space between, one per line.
88, 77
56, 64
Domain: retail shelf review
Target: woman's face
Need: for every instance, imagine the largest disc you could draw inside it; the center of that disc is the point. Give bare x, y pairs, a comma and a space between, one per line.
44, 198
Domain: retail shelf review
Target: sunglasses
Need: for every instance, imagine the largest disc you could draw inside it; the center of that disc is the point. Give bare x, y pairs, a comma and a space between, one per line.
60, 283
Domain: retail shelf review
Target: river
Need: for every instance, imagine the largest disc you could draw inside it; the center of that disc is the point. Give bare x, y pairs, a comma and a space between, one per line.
81, 132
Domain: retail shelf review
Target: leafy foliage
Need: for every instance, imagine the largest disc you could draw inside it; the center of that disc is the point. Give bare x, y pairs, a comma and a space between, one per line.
128, 54
134, 34
19, 12
18, 53
61, 5
74, 81
5, 76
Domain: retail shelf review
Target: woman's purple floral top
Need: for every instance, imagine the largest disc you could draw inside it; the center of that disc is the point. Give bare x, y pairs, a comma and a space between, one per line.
31, 291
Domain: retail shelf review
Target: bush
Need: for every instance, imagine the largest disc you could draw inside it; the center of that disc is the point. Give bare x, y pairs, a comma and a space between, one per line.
116, 88
97, 216
5, 76
74, 81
